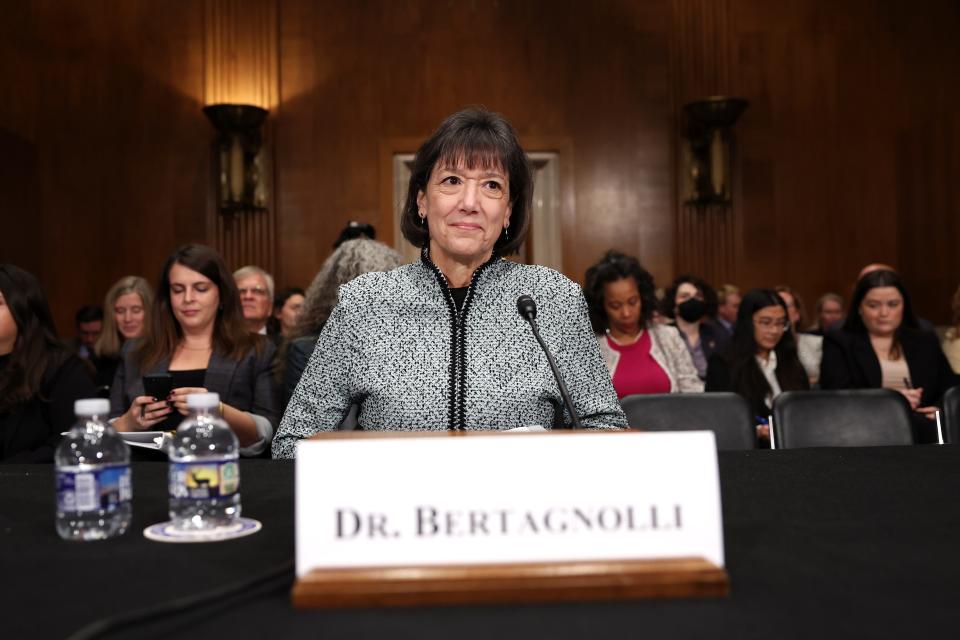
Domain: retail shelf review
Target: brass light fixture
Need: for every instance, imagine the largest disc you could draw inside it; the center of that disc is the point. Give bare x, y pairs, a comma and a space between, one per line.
240, 162
706, 155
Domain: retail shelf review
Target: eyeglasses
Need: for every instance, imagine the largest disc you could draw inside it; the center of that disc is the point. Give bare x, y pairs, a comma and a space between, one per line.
257, 291
771, 323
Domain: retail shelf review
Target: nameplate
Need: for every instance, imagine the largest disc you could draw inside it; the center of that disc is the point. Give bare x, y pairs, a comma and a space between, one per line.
494, 498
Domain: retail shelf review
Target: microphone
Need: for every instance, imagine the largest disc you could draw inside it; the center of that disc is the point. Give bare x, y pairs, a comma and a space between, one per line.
528, 311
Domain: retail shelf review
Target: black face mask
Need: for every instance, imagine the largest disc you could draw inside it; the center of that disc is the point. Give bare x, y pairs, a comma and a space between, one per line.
692, 310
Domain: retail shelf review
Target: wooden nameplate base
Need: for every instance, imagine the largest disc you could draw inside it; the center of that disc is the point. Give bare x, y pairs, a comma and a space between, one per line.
510, 583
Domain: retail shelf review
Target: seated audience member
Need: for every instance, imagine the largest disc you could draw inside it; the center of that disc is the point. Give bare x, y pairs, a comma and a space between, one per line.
728, 302
40, 378
809, 346
351, 259
256, 296
922, 323
286, 309
761, 360
951, 339
643, 356
829, 314
355, 230
880, 345
127, 316
198, 335
690, 302
89, 324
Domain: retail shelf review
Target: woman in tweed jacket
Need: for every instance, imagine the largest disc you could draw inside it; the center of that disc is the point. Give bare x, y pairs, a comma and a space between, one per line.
438, 344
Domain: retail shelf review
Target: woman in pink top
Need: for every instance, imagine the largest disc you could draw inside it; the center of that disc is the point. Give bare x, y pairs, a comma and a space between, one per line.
642, 356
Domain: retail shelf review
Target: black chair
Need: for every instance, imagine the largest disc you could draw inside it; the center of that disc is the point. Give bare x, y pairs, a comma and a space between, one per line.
848, 418
950, 416
726, 414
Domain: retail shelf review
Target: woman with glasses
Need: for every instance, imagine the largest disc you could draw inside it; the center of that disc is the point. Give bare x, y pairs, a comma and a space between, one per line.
881, 346
761, 360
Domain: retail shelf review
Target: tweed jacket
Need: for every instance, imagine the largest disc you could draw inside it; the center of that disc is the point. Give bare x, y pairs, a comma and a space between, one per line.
397, 346
247, 384
669, 351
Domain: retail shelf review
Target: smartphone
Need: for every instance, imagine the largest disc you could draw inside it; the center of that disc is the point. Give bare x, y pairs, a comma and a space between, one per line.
158, 385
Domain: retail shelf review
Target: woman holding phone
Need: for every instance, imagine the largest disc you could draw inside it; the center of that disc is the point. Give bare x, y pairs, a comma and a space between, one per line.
199, 338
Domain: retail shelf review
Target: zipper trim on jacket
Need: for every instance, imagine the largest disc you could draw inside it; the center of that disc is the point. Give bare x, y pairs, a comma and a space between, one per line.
457, 403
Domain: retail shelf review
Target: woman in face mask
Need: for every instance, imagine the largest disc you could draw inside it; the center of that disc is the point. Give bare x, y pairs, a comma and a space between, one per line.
691, 303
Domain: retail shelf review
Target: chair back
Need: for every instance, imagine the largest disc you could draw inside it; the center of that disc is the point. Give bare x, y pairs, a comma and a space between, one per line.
726, 414
950, 416
847, 418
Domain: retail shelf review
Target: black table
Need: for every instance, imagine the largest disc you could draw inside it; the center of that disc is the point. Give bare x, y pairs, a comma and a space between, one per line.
819, 542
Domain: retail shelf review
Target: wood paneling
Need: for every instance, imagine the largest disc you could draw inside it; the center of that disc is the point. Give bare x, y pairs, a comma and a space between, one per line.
240, 67
103, 141
357, 74
847, 154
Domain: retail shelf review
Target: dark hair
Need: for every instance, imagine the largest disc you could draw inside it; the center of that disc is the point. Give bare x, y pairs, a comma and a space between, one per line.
88, 313
37, 347
355, 230
745, 375
281, 298
473, 138
612, 267
704, 289
273, 325
874, 279
231, 338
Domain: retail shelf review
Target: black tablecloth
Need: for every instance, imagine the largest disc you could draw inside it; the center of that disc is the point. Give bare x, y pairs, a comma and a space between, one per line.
819, 542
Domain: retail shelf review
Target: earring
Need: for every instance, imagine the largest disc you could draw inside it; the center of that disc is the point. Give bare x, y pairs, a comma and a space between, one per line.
423, 218
506, 231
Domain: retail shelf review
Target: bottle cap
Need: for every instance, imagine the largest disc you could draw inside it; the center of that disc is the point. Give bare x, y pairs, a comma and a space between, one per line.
91, 407
203, 400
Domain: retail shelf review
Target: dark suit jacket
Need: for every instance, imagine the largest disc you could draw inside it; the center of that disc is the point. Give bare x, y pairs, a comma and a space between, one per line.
246, 384
31, 431
849, 362
298, 355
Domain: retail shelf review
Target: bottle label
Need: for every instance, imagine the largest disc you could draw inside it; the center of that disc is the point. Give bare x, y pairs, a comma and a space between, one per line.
106, 488
204, 479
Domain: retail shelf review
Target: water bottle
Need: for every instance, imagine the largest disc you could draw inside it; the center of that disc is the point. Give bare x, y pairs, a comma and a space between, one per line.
93, 476
204, 472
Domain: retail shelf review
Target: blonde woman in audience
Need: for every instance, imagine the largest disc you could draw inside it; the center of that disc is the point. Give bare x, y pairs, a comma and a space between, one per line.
829, 310
126, 315
951, 340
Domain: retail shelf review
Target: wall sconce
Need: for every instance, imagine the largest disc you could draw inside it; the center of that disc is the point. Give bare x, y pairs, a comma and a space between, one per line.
706, 154
241, 181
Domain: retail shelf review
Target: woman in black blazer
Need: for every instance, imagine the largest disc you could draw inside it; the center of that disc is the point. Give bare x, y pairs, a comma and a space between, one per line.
880, 345
199, 337
39, 378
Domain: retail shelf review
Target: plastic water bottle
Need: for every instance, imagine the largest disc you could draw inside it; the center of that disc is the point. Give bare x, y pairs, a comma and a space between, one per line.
93, 476
204, 472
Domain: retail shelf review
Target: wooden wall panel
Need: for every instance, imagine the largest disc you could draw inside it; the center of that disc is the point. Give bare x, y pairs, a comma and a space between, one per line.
847, 154
356, 74
240, 67
103, 102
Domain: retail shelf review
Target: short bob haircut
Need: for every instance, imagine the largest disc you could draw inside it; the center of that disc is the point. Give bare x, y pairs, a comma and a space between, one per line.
473, 138
612, 267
